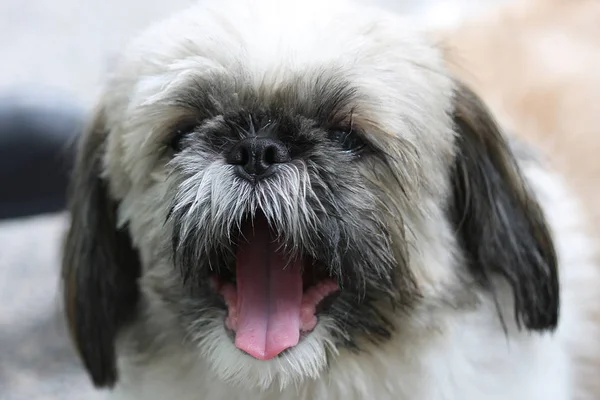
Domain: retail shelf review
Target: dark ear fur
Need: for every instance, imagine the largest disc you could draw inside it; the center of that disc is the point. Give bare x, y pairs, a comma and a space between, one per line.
100, 268
502, 228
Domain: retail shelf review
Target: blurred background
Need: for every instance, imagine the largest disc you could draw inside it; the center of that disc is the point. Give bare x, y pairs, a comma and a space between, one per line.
54, 55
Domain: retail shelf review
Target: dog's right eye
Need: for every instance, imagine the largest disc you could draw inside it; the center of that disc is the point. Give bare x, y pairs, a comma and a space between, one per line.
179, 134
349, 141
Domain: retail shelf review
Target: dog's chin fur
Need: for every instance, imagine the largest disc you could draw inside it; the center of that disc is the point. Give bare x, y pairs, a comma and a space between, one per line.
452, 244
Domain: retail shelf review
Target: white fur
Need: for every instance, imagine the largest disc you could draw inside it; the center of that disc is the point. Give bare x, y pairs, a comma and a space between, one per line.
438, 353
467, 357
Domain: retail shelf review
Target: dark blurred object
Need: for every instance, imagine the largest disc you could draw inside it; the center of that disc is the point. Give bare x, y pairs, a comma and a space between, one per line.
37, 136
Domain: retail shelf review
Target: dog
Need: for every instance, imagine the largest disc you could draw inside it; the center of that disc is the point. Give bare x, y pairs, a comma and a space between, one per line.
307, 200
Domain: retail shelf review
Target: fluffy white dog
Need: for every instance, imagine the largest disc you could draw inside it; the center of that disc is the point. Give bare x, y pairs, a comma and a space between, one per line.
300, 200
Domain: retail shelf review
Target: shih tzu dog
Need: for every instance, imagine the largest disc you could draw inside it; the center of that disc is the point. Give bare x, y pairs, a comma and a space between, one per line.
301, 200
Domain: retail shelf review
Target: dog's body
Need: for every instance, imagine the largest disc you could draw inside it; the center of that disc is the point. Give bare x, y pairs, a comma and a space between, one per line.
454, 278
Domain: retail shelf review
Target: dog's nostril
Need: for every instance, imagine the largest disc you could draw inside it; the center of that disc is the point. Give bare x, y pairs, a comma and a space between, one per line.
256, 156
274, 152
244, 156
239, 155
269, 156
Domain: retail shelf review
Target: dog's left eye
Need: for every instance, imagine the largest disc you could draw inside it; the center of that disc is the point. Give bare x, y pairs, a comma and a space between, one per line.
349, 141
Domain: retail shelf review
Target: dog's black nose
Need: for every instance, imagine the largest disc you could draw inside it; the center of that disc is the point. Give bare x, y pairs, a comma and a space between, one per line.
256, 156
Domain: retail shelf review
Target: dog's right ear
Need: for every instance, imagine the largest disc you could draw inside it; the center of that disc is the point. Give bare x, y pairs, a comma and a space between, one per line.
100, 267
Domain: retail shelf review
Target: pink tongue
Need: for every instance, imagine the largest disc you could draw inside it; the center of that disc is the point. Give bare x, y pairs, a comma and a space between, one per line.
269, 295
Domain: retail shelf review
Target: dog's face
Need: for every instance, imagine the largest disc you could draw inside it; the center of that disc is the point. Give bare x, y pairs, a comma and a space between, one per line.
273, 184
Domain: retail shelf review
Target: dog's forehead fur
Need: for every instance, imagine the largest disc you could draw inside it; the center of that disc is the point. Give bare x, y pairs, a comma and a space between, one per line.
269, 53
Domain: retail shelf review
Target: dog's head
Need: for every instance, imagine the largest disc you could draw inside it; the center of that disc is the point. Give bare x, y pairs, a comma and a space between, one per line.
273, 184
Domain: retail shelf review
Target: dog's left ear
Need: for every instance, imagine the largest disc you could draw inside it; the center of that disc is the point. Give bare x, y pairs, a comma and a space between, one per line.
501, 225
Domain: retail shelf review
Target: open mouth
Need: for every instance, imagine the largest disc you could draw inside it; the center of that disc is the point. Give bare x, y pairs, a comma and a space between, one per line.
271, 299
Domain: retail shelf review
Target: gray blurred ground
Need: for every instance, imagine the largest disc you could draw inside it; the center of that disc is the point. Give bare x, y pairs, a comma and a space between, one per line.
66, 45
